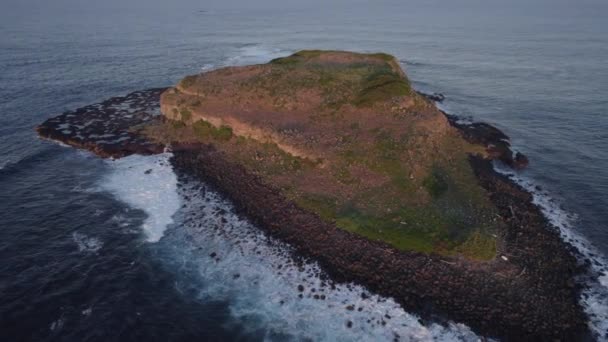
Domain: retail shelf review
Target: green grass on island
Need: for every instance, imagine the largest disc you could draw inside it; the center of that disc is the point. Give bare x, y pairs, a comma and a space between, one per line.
343, 135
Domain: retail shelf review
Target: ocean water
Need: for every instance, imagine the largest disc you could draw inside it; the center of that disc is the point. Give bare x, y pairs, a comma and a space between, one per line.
97, 250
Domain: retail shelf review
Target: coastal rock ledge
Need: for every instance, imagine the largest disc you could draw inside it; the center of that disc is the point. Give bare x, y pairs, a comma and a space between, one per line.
334, 153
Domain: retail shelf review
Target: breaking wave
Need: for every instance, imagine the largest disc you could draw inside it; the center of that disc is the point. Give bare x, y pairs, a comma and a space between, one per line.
147, 183
255, 54
246, 55
268, 292
288, 300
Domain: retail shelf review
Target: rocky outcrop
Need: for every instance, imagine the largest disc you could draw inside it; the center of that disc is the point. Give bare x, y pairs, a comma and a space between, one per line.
437, 97
526, 292
106, 128
496, 142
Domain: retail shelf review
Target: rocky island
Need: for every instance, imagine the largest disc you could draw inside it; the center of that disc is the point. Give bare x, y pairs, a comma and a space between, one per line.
334, 153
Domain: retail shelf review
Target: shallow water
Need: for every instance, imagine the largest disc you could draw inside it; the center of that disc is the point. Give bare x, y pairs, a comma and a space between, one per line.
95, 250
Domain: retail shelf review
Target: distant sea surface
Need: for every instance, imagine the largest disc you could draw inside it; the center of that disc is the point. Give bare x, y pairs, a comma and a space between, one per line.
99, 250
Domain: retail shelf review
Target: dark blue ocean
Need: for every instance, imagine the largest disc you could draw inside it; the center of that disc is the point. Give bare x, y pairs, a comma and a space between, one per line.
99, 250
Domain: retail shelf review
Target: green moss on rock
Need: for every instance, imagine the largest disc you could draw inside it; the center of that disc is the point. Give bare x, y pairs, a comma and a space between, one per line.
185, 114
435, 183
206, 130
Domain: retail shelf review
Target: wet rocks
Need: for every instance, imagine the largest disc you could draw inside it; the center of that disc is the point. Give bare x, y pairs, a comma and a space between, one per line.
436, 97
495, 298
520, 161
106, 128
496, 142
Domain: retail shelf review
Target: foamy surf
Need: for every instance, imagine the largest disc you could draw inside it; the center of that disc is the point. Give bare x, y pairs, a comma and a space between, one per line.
207, 67
147, 183
268, 291
86, 243
256, 54
247, 55
594, 297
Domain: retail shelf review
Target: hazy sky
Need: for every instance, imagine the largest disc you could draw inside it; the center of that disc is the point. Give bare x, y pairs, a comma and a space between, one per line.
483, 13
268, 4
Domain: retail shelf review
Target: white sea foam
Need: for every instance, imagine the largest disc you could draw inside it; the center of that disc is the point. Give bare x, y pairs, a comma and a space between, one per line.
86, 243
208, 67
255, 54
247, 55
147, 183
57, 325
256, 275
595, 297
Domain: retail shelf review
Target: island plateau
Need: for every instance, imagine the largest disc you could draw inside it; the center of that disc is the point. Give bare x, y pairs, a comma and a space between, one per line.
336, 154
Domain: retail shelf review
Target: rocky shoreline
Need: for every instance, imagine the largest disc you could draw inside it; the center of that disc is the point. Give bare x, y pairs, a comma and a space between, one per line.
527, 292
503, 298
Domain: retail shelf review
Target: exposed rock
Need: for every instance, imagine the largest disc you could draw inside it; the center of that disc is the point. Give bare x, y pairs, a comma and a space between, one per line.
437, 97
107, 128
496, 142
